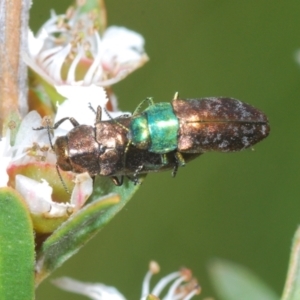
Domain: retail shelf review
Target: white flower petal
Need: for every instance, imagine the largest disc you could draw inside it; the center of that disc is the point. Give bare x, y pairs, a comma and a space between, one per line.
35, 44
95, 291
57, 61
32, 63
95, 70
6, 156
38, 198
3, 174
77, 105
26, 136
82, 190
91, 93
122, 47
72, 70
116, 37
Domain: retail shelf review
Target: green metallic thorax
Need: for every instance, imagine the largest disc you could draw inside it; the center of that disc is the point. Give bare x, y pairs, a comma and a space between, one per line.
156, 129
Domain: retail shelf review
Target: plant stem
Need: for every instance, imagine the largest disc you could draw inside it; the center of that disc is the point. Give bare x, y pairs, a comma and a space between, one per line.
13, 75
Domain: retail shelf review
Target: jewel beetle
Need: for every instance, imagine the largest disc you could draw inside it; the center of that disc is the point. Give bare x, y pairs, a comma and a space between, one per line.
163, 136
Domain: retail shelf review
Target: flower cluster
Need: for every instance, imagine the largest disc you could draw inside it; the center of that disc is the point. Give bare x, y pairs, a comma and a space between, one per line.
71, 55
69, 50
182, 286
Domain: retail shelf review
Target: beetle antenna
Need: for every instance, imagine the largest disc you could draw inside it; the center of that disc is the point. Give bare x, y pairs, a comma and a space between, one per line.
48, 127
114, 119
61, 179
49, 136
150, 102
92, 108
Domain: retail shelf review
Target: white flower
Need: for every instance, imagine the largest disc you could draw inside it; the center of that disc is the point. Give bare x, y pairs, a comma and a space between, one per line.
183, 286
78, 101
29, 147
38, 198
29, 143
68, 50
32, 150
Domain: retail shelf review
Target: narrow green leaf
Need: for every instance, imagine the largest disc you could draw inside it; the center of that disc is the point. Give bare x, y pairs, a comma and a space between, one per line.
16, 248
234, 282
71, 236
292, 285
103, 205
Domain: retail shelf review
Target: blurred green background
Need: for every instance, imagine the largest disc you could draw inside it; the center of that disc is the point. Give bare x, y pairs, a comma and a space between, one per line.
243, 207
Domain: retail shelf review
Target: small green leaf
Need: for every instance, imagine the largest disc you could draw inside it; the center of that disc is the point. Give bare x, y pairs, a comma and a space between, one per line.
234, 282
292, 285
71, 236
16, 248
103, 205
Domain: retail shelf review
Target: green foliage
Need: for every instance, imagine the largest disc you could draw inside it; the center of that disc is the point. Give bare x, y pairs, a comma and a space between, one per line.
16, 248
234, 282
105, 203
292, 285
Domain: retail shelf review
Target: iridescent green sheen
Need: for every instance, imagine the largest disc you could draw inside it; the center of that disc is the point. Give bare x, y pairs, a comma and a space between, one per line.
139, 132
163, 127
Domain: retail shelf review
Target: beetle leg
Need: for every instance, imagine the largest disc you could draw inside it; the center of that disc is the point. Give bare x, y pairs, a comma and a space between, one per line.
179, 162
179, 158
164, 159
175, 169
117, 181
